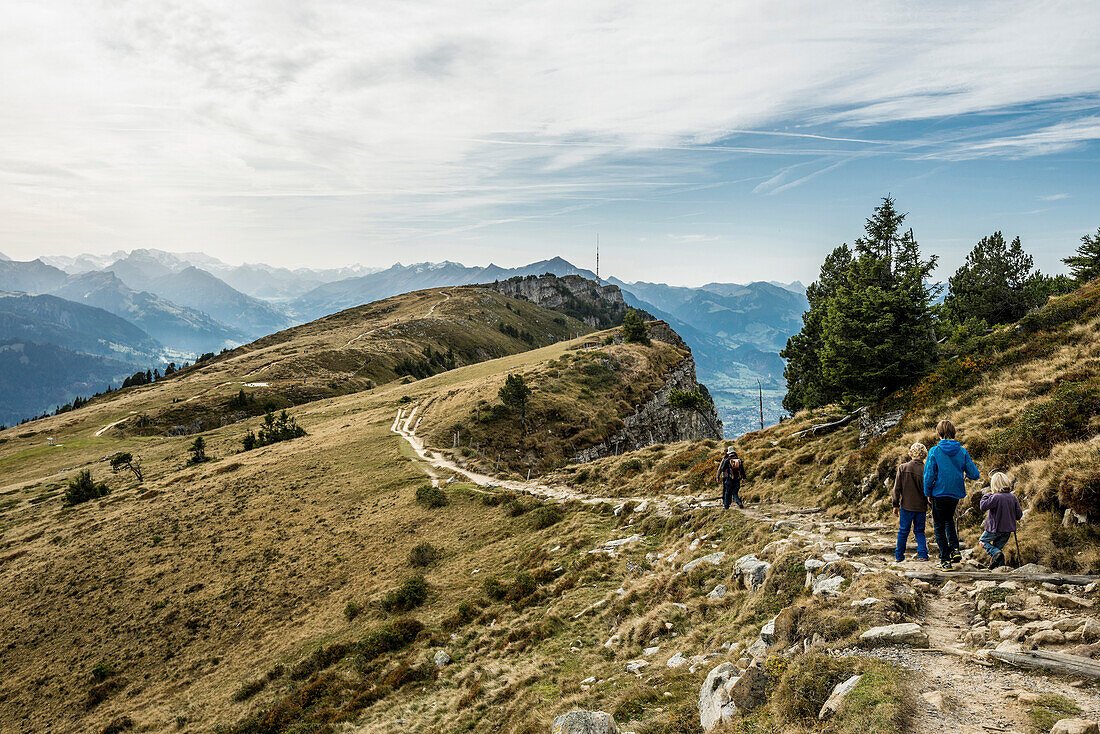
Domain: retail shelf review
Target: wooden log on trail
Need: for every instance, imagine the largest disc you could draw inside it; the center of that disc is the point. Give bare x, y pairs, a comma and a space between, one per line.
1054, 662
1039, 578
826, 427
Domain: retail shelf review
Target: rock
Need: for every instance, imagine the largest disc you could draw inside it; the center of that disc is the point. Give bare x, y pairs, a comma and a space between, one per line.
585, 722
441, 659
1029, 568
836, 698
635, 665
714, 558
1068, 624
767, 632
714, 698
718, 592
864, 603
746, 692
936, 699
651, 651
676, 661
1047, 637
588, 681
831, 557
757, 649
847, 549
1075, 726
1091, 630
828, 586
949, 588
1065, 601
875, 425
752, 571
623, 541
813, 565
907, 633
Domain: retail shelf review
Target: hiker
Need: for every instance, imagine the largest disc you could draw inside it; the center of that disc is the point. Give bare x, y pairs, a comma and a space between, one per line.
1004, 510
910, 504
730, 473
944, 471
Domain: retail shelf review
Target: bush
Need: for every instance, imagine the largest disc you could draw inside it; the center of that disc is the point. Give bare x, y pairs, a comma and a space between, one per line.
688, 400
430, 497
410, 594
1063, 417
351, 611
465, 614
424, 554
249, 689
84, 488
494, 589
274, 429
545, 516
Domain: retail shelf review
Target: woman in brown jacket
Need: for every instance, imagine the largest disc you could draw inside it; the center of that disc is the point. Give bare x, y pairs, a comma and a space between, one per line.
910, 504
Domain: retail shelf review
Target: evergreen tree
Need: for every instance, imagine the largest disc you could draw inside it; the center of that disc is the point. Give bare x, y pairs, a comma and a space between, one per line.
516, 395
1085, 265
84, 488
869, 327
198, 451
126, 460
996, 284
634, 329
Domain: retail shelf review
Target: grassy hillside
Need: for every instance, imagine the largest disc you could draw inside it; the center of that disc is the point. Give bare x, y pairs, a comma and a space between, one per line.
404, 337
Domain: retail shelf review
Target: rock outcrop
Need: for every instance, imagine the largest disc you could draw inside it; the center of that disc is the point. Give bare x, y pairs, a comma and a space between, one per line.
657, 421
599, 306
585, 722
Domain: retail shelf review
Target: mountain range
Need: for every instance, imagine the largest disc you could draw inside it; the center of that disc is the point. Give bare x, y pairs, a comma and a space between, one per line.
193, 303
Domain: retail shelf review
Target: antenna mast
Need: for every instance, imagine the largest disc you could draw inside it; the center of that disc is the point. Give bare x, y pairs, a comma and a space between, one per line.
597, 256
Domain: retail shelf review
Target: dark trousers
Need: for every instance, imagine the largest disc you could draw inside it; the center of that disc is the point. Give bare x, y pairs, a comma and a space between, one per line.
730, 490
943, 515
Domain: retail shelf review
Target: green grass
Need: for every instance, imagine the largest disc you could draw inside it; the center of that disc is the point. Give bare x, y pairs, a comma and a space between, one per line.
1049, 710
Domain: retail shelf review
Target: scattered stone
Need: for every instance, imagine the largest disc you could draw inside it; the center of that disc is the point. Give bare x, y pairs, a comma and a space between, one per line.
907, 633
752, 571
935, 699
1066, 601
1029, 568
767, 632
714, 558
585, 722
676, 660
623, 541
829, 586
864, 603
1091, 630
651, 651
949, 588
1047, 637
1075, 726
714, 698
746, 692
836, 698
636, 665
588, 681
441, 659
757, 649
847, 549
814, 565
718, 592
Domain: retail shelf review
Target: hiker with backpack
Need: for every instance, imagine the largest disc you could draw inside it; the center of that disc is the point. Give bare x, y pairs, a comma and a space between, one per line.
945, 472
730, 474
1000, 523
910, 504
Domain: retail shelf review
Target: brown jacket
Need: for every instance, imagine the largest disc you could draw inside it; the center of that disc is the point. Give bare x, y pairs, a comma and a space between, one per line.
909, 487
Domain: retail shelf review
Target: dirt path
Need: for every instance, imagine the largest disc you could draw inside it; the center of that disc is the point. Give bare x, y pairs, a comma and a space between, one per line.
109, 426
446, 297
976, 698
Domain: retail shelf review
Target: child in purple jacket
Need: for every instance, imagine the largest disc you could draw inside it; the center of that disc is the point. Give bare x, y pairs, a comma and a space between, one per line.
1004, 510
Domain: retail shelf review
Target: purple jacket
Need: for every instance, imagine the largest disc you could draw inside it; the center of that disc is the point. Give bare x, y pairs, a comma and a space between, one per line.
1004, 511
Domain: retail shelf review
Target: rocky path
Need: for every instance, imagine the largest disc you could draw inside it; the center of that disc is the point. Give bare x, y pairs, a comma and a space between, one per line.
959, 690
446, 297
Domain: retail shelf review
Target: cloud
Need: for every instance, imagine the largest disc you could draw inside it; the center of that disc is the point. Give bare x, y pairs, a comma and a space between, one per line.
361, 126
1054, 197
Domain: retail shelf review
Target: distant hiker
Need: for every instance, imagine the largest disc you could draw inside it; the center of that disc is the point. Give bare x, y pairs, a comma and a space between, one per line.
910, 504
947, 465
1004, 510
730, 474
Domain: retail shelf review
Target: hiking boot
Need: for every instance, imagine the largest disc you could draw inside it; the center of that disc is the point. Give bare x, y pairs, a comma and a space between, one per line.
923, 559
945, 566
741, 505
956, 557
998, 561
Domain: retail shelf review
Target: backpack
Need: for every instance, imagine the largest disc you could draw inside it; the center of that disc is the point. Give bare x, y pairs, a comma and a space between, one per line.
732, 467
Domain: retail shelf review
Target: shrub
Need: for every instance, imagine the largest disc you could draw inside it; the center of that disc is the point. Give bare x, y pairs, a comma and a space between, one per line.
514, 508
1063, 417
351, 611
249, 689
410, 594
274, 429
198, 452
1079, 490
430, 497
545, 516
84, 488
523, 587
688, 399
424, 554
631, 467
393, 636
494, 589
465, 614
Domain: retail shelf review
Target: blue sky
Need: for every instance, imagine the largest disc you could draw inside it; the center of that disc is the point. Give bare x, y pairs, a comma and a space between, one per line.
710, 141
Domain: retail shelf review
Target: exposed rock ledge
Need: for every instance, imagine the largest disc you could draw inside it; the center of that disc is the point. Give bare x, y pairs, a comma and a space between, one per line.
657, 421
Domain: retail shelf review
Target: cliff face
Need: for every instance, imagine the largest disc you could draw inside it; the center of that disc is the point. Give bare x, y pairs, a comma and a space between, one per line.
657, 421
599, 306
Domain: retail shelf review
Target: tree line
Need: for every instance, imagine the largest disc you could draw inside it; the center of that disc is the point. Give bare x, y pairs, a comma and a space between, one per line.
874, 324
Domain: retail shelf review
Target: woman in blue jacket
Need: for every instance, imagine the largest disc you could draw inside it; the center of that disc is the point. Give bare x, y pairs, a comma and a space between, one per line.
944, 485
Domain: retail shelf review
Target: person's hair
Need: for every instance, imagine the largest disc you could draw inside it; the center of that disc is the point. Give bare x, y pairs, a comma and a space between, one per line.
918, 451
945, 429
731, 451
1000, 482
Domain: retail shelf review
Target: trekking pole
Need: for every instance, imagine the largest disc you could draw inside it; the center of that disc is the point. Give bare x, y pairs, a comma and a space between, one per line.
1019, 557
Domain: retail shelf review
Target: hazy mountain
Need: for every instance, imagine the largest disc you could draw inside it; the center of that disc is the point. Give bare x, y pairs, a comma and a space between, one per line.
82, 263
341, 294
199, 289
75, 326
140, 269
4, 257
178, 327
34, 276
38, 377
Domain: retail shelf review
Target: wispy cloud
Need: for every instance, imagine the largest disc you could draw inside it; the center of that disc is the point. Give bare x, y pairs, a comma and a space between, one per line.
1054, 197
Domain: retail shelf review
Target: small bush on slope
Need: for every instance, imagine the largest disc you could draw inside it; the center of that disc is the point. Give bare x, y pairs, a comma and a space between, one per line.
84, 488
409, 595
430, 497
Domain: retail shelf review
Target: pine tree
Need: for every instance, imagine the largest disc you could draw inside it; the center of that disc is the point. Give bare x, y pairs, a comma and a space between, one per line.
634, 329
516, 396
996, 284
1085, 265
198, 451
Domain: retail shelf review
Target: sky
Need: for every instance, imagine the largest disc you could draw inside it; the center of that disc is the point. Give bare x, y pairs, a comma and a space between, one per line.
701, 141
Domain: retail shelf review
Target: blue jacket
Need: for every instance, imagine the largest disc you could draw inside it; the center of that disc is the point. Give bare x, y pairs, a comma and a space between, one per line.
944, 469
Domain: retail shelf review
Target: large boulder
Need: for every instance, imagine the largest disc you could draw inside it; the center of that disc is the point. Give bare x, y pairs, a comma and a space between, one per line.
1075, 726
836, 698
746, 692
751, 570
714, 697
907, 633
585, 722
